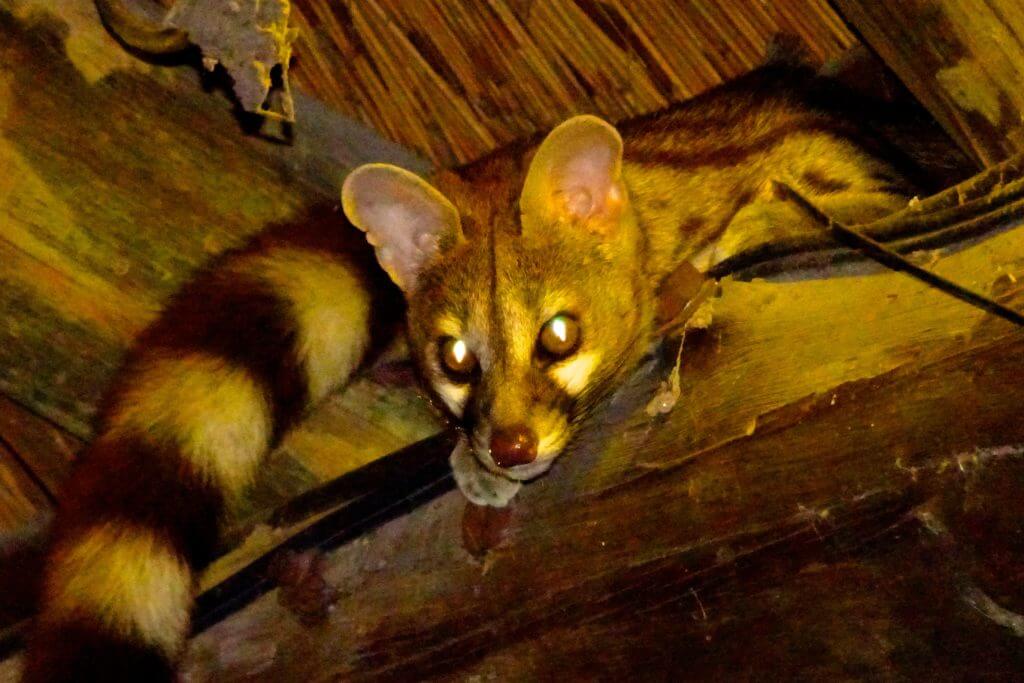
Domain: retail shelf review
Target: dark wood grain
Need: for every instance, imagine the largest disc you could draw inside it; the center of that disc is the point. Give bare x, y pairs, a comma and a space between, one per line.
35, 458
46, 450
963, 60
23, 501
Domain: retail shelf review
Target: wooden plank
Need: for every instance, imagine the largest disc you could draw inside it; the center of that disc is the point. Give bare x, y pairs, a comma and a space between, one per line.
885, 609
35, 459
21, 568
22, 500
963, 60
47, 450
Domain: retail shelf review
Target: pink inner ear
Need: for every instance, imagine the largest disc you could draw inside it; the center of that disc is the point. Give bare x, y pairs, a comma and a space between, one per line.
406, 236
404, 218
586, 181
579, 203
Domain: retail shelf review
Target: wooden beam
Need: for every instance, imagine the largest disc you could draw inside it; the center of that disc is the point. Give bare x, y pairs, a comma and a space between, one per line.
47, 450
963, 60
23, 501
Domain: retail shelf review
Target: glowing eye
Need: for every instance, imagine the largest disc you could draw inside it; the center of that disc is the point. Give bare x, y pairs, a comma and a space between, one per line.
459, 351
560, 336
559, 329
456, 358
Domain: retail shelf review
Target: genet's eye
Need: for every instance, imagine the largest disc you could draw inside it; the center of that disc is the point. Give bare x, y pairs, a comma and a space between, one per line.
560, 336
456, 359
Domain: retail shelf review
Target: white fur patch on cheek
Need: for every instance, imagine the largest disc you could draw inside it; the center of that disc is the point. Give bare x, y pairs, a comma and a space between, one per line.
553, 434
573, 375
552, 443
453, 395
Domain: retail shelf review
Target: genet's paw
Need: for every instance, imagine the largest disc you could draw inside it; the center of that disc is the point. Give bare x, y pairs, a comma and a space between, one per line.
304, 590
476, 483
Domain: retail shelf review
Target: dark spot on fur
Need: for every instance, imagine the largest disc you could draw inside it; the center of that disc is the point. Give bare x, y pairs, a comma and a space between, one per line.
692, 225
822, 184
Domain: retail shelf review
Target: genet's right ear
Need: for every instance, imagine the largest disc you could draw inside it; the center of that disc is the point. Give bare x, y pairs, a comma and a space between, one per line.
576, 177
408, 222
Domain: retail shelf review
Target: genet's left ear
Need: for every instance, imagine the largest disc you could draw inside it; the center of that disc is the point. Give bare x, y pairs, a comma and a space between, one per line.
575, 176
408, 222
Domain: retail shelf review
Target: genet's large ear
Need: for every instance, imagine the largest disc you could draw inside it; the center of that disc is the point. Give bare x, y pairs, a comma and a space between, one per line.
575, 176
407, 221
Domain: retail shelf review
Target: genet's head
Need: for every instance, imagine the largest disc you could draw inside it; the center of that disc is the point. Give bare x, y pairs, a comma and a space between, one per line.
522, 314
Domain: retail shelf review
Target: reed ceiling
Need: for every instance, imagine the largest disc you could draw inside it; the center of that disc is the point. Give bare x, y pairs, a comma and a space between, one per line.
454, 79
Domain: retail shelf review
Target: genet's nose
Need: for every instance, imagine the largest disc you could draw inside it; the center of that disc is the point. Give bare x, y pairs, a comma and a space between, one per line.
515, 445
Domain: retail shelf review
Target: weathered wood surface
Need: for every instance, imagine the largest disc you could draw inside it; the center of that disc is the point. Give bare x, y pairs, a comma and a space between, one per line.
964, 60
121, 178
22, 499
46, 450
842, 469
459, 78
35, 458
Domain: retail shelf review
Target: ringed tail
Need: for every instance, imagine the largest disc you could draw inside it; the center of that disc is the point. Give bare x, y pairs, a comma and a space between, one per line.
208, 389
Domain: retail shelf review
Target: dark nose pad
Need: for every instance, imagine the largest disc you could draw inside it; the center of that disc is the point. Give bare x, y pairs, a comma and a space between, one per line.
515, 445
